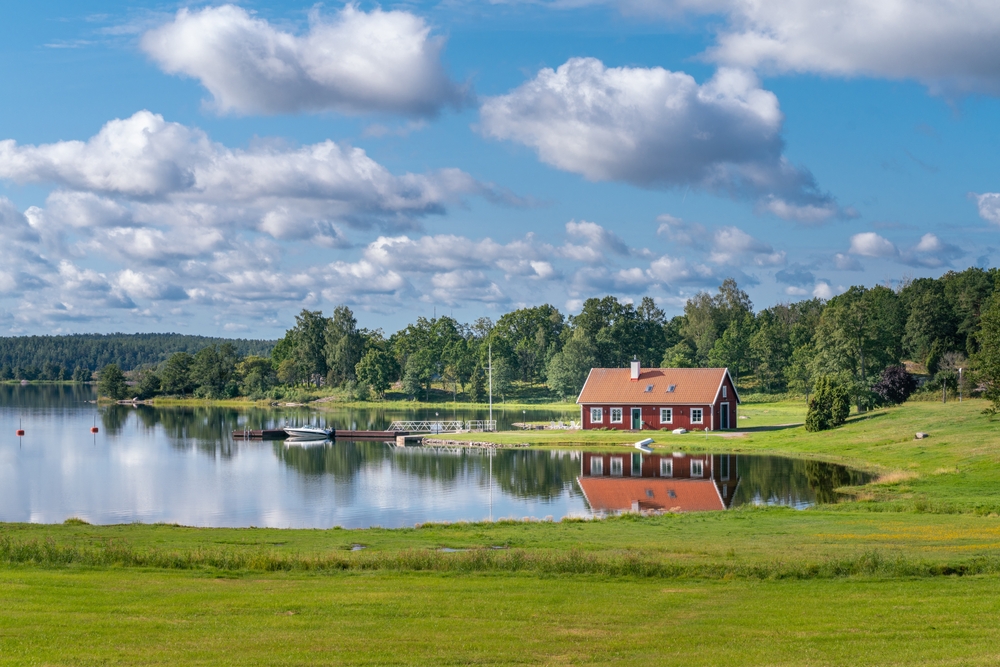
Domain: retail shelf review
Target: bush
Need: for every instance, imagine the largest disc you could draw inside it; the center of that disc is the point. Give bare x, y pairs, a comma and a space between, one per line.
829, 404
895, 385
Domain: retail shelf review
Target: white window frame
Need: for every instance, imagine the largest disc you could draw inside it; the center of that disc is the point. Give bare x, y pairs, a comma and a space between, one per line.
669, 412
724, 388
699, 465
666, 467
621, 411
701, 416
596, 466
599, 412
617, 466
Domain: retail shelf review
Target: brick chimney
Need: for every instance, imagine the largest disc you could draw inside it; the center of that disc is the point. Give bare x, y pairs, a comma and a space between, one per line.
635, 370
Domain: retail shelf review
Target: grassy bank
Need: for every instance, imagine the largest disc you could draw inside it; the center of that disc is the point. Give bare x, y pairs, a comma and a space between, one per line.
906, 572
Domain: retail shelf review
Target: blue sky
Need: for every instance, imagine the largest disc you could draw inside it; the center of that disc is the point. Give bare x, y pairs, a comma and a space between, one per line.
214, 169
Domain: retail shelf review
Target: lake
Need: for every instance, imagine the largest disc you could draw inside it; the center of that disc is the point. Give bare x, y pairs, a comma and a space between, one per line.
181, 465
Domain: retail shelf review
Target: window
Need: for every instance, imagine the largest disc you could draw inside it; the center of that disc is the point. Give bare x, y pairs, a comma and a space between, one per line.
649, 388
596, 415
616, 415
666, 415
666, 467
696, 415
671, 388
697, 468
637, 465
616, 466
596, 465
724, 388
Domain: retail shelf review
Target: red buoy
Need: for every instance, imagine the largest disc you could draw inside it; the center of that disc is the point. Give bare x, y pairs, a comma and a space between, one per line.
93, 429
20, 431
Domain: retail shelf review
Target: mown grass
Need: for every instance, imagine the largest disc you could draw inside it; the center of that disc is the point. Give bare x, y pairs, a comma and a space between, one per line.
906, 572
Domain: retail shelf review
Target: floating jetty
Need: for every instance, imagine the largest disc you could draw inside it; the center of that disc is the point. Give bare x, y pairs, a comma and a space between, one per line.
279, 434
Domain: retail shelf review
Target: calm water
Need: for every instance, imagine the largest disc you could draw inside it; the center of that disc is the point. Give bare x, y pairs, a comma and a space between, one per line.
180, 465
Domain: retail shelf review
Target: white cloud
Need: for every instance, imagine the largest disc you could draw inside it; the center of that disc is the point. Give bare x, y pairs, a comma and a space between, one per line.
680, 232
931, 252
823, 290
989, 206
870, 244
143, 171
846, 263
950, 45
655, 128
733, 246
358, 62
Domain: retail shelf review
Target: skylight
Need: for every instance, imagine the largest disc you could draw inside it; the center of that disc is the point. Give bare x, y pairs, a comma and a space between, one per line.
671, 388
649, 388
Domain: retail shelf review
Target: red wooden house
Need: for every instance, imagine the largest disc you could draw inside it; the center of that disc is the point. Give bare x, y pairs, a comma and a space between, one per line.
632, 481
634, 399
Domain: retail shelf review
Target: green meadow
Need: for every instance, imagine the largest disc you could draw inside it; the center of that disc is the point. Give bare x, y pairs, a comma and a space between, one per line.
905, 571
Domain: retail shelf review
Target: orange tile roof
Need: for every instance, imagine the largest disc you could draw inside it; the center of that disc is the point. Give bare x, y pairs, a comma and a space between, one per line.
610, 494
692, 386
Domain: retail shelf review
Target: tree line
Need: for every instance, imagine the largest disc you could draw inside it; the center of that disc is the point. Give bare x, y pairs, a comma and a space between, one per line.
77, 356
841, 347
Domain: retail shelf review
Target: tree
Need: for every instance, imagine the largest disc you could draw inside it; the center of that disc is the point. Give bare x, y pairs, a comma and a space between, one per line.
309, 335
80, 374
860, 332
477, 385
344, 346
829, 405
681, 355
213, 371
986, 362
531, 333
256, 375
148, 384
895, 385
111, 383
732, 350
175, 377
503, 378
376, 369
568, 369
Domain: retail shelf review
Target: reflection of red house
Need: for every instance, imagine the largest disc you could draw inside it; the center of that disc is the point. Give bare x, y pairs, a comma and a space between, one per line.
651, 482
658, 398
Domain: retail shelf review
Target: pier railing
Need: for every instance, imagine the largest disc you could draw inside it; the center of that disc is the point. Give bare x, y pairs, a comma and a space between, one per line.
442, 426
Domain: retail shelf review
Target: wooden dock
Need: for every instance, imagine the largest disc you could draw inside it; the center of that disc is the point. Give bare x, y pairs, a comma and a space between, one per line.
279, 434
265, 434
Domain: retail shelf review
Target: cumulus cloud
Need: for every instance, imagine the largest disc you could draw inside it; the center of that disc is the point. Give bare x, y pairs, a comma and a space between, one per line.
870, 244
145, 171
357, 62
844, 262
952, 46
655, 128
989, 206
823, 290
680, 232
733, 246
931, 252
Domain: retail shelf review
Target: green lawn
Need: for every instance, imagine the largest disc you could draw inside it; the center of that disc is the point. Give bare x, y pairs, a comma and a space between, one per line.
908, 572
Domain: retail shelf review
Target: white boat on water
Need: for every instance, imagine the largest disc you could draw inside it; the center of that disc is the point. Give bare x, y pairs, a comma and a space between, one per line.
307, 432
306, 442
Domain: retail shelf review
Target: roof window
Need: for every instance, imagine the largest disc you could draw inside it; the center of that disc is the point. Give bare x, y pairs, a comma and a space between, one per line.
649, 388
671, 388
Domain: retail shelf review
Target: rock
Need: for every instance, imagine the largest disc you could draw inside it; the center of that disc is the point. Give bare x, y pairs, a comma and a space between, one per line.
921, 435
679, 431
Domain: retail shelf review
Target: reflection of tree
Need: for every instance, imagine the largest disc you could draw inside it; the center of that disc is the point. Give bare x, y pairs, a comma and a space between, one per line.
46, 395
342, 460
791, 481
535, 474
114, 417
825, 477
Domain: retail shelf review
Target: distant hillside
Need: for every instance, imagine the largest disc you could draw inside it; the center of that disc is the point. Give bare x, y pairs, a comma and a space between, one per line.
49, 357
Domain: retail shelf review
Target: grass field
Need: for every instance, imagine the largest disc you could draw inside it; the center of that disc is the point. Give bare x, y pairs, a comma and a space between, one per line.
907, 572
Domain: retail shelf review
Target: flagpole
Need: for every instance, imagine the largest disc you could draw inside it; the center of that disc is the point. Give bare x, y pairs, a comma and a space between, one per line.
491, 382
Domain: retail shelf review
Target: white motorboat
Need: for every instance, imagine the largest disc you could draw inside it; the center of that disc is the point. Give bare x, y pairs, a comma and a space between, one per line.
307, 432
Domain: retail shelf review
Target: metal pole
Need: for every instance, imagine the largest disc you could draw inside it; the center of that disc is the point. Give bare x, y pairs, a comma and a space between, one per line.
491, 381
959, 385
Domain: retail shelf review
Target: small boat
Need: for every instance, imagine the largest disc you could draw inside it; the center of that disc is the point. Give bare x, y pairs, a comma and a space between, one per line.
308, 432
306, 442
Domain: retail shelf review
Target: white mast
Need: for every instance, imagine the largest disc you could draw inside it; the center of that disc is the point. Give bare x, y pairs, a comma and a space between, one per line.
491, 381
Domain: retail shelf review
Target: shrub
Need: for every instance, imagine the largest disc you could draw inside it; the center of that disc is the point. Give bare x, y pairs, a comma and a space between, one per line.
829, 404
895, 385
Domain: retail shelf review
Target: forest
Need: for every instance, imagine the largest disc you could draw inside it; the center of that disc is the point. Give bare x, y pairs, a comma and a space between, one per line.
864, 347
78, 356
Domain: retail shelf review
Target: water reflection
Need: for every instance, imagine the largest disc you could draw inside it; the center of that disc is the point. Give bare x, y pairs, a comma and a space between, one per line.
182, 465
